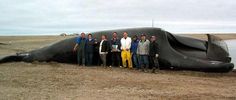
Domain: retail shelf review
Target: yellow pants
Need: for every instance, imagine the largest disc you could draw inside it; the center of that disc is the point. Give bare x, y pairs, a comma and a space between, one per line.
126, 56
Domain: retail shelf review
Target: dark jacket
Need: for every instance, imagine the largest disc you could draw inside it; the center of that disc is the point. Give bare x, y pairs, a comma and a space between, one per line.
154, 48
90, 45
115, 42
96, 46
105, 46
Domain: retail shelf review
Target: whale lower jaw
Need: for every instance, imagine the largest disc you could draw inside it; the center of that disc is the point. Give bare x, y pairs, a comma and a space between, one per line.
208, 66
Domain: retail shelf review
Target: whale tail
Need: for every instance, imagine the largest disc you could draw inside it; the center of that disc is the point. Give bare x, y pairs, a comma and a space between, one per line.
12, 58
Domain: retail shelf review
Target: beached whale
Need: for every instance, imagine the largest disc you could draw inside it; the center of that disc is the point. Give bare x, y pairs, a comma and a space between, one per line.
176, 52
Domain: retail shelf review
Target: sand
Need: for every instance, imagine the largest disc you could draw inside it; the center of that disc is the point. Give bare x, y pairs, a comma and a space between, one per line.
56, 81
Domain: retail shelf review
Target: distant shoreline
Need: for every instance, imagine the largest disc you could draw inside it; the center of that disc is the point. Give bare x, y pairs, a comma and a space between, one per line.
204, 37
228, 36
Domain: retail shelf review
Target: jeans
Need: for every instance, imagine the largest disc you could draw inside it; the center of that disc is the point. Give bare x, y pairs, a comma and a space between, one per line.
126, 56
115, 57
81, 57
143, 61
89, 58
154, 62
135, 60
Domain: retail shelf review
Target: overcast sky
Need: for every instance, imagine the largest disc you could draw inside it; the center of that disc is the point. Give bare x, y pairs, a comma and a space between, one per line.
71, 16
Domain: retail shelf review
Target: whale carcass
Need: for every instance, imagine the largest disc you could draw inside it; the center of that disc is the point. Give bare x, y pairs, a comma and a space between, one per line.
176, 51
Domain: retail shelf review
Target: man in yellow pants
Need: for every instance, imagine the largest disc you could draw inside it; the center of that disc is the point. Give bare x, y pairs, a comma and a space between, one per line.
125, 47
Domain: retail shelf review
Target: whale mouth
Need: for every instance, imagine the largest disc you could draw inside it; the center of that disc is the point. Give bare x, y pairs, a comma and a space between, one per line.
215, 49
201, 53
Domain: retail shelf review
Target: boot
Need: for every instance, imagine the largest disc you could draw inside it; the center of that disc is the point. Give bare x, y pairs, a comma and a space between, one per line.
142, 68
146, 68
154, 70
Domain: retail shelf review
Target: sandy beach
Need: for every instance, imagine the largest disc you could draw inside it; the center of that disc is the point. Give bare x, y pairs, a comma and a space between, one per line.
57, 81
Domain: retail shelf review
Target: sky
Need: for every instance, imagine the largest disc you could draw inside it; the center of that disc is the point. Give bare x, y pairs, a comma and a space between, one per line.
24, 17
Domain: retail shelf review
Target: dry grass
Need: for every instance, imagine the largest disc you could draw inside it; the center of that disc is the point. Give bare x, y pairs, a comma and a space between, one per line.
64, 81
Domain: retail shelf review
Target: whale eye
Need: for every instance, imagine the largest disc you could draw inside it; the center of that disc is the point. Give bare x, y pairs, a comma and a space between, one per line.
23, 54
214, 62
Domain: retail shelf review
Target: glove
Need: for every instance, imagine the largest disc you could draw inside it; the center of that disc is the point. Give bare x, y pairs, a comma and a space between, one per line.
157, 55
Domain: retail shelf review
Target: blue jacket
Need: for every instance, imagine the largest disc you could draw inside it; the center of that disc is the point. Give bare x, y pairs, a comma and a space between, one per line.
81, 44
78, 40
134, 46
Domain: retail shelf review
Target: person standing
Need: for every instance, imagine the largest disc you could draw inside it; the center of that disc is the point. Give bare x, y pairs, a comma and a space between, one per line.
97, 61
134, 46
80, 47
89, 49
154, 53
103, 50
143, 52
125, 47
115, 50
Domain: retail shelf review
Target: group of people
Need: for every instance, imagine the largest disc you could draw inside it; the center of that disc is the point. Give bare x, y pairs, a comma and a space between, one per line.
127, 52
